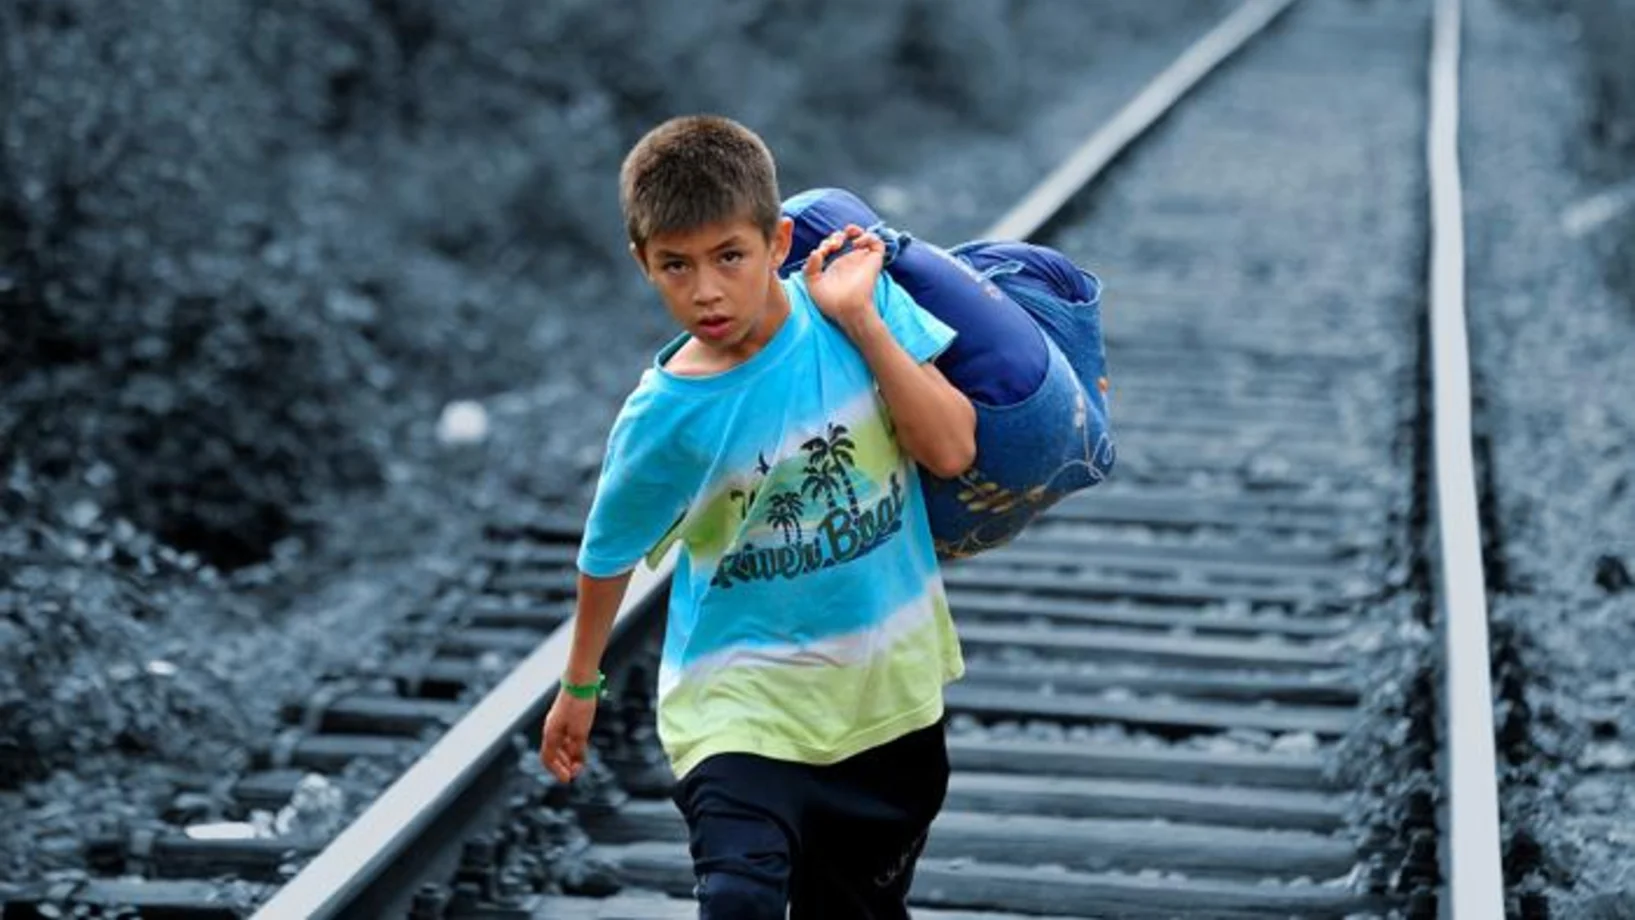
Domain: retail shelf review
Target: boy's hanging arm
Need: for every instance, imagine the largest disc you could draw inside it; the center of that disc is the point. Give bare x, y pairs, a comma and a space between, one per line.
566, 735
935, 422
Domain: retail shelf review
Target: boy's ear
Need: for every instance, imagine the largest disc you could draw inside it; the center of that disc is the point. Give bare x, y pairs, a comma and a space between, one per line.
783, 237
641, 260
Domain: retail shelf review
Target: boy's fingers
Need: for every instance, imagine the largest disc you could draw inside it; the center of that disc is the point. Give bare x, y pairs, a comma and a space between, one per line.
814, 261
558, 753
852, 234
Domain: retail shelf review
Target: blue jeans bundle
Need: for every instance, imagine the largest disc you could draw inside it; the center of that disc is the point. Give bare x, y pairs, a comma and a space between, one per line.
1029, 355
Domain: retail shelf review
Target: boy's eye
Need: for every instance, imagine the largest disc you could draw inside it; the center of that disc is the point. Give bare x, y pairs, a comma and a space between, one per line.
672, 266
732, 257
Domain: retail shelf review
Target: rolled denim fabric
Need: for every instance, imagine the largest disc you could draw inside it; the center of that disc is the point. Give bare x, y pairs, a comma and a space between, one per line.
1062, 298
1032, 454
1029, 355
1029, 456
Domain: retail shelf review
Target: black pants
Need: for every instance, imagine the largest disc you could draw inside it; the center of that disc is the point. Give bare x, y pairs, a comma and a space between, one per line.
836, 842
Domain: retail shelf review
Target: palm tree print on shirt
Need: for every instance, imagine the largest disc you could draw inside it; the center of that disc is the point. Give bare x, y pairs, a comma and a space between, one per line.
745, 499
812, 497
828, 467
821, 483
785, 514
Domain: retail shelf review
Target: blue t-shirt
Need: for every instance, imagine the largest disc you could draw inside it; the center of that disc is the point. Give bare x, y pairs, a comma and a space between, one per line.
807, 616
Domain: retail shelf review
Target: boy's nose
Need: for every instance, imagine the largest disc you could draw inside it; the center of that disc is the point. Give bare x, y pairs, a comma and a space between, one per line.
706, 292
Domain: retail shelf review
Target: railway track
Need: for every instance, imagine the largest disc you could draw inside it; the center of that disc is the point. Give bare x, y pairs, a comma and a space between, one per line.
1163, 674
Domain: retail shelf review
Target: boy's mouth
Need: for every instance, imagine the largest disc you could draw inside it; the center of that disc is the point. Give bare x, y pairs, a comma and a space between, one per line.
714, 327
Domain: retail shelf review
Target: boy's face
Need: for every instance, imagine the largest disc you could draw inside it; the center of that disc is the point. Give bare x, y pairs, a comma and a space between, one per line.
720, 281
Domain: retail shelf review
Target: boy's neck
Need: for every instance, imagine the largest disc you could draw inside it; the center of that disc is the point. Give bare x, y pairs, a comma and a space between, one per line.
697, 359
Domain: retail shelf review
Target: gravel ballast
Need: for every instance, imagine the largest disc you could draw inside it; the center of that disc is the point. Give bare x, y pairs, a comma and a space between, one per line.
1554, 357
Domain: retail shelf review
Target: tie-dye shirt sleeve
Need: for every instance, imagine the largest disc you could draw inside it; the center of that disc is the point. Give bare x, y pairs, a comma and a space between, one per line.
922, 335
647, 480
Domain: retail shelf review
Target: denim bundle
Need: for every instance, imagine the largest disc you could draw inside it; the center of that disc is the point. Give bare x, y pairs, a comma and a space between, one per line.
1029, 355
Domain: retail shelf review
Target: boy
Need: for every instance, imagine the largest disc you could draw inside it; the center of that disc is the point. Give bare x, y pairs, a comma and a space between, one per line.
809, 637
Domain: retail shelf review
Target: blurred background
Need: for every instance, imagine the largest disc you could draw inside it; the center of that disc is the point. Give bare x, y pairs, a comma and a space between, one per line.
251, 251
293, 291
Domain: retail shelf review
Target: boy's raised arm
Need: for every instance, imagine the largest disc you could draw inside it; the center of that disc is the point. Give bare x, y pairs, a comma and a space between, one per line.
935, 422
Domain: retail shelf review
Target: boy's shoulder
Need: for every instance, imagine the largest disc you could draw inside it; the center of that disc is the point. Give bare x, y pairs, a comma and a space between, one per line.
690, 360
644, 400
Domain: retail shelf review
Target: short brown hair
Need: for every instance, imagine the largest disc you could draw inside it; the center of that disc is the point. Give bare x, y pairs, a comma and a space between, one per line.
695, 170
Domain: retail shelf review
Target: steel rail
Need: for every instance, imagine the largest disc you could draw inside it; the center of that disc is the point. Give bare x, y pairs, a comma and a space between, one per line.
1470, 843
1097, 152
332, 882
329, 884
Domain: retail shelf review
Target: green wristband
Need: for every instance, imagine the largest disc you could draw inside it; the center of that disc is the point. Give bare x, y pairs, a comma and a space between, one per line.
586, 691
